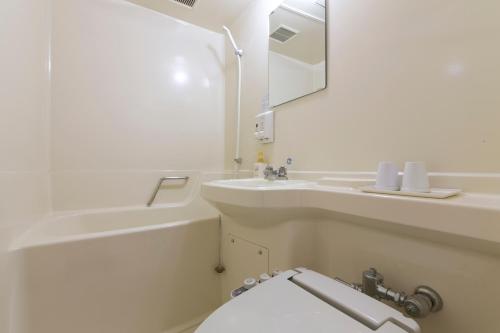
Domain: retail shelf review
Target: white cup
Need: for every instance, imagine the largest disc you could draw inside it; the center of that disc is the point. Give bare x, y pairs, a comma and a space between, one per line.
415, 178
387, 176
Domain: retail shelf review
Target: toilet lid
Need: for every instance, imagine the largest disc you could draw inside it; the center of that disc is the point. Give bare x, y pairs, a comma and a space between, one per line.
283, 305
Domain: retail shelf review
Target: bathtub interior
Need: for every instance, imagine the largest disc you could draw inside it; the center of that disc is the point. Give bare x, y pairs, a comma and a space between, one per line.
127, 270
70, 226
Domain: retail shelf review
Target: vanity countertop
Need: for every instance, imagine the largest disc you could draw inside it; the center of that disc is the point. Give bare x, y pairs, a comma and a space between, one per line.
470, 215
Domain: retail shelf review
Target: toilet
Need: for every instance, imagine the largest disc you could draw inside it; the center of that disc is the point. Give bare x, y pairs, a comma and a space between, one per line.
305, 301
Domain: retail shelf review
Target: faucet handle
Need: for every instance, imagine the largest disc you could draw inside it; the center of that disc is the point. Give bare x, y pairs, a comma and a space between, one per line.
268, 171
282, 173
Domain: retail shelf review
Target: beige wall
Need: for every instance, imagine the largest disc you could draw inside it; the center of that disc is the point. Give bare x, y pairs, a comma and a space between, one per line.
24, 105
133, 93
407, 81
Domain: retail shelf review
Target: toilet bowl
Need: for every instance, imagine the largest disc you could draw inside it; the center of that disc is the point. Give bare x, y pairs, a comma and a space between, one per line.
302, 301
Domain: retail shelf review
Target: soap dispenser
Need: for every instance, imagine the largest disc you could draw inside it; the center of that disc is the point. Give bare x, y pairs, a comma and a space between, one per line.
259, 166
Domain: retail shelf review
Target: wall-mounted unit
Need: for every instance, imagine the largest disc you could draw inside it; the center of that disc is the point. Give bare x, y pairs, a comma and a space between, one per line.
264, 127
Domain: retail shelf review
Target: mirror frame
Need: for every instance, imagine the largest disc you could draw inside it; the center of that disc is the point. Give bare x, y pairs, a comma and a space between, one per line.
327, 5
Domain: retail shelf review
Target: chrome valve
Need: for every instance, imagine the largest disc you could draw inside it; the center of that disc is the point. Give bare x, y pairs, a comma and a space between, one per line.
424, 300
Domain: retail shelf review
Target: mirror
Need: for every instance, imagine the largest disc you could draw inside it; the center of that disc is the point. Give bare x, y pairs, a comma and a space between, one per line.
297, 50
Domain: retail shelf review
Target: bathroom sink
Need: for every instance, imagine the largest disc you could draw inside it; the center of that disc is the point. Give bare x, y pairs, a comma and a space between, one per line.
254, 192
258, 183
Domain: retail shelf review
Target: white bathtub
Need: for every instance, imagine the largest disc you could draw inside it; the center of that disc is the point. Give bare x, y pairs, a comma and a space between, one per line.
131, 270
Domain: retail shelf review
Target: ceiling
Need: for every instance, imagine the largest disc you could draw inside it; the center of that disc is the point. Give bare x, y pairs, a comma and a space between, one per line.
210, 14
313, 7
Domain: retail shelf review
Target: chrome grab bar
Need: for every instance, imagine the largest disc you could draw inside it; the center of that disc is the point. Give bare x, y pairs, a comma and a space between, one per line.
160, 183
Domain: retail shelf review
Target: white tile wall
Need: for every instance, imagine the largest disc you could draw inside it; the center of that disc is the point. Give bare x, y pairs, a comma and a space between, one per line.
133, 93
134, 89
24, 105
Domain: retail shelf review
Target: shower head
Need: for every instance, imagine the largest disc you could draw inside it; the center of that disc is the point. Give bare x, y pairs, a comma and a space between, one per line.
237, 51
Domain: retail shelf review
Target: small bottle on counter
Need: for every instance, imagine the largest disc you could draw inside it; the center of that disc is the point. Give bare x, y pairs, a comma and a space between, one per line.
259, 166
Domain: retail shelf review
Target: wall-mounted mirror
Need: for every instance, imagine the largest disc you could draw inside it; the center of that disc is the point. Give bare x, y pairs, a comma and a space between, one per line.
297, 50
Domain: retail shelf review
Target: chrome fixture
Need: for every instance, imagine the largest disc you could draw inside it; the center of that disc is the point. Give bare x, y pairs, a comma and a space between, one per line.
160, 183
423, 301
282, 173
271, 174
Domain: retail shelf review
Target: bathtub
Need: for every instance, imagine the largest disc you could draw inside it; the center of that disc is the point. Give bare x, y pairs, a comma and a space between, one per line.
129, 270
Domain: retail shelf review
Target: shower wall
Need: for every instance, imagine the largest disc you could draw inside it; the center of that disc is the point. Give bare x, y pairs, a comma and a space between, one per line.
135, 95
24, 113
99, 98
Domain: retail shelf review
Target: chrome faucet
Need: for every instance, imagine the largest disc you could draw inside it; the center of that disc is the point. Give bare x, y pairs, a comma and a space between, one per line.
271, 174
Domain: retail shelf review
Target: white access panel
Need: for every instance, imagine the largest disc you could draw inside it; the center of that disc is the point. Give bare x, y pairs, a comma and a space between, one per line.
242, 259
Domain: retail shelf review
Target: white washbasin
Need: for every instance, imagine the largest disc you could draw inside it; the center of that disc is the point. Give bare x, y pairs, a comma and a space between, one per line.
259, 183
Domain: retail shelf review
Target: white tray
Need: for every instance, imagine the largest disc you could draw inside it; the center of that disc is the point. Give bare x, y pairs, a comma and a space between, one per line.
436, 193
